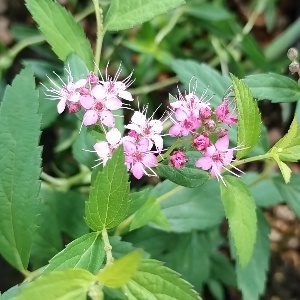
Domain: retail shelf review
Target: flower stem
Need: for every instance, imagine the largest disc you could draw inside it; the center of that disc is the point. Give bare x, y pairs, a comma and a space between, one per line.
107, 247
254, 158
100, 33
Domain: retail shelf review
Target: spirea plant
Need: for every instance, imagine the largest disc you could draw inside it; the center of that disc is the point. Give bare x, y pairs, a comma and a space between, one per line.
129, 241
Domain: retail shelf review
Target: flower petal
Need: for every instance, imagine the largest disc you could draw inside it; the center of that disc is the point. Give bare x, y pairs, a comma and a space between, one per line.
125, 95
107, 118
90, 117
102, 149
61, 105
113, 136
205, 163
98, 92
138, 170
87, 101
222, 143
113, 103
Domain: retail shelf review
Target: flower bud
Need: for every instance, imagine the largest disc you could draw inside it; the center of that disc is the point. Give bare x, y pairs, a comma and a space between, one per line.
74, 108
178, 159
292, 53
294, 67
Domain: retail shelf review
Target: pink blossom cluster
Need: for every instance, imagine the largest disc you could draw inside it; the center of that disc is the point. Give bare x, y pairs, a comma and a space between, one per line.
193, 116
99, 98
190, 115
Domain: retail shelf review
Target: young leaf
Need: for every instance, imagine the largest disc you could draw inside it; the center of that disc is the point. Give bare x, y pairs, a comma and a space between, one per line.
20, 169
78, 68
62, 285
86, 252
249, 122
152, 280
128, 13
145, 214
251, 279
118, 273
60, 30
109, 196
274, 87
284, 169
240, 211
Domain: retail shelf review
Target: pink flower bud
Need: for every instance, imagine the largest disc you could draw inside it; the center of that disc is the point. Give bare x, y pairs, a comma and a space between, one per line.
205, 112
201, 142
210, 124
74, 108
178, 159
93, 78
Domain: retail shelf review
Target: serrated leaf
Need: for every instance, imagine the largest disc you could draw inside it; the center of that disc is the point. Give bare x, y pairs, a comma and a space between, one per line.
153, 281
60, 30
161, 221
252, 279
62, 285
290, 192
20, 169
118, 273
274, 87
145, 214
109, 195
204, 75
288, 138
239, 209
128, 13
284, 169
86, 252
249, 122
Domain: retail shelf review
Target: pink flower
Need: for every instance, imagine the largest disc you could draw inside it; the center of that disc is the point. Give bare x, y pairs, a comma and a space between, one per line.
147, 128
105, 149
115, 89
201, 142
178, 159
223, 113
185, 127
138, 158
216, 157
68, 94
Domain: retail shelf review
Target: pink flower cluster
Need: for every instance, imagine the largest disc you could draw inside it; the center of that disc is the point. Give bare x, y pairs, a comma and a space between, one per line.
191, 116
97, 97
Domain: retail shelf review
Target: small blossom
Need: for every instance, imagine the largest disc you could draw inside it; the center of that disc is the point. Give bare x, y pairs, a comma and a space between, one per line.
216, 157
201, 142
138, 158
147, 128
185, 127
104, 149
223, 113
178, 159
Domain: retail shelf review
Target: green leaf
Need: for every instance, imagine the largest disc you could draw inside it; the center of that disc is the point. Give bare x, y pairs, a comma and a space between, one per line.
252, 279
240, 211
86, 252
274, 87
190, 256
188, 176
137, 200
109, 196
249, 122
121, 270
128, 13
284, 169
84, 141
145, 214
60, 30
62, 285
188, 209
78, 68
204, 75
290, 192
154, 281
264, 192
11, 293
20, 169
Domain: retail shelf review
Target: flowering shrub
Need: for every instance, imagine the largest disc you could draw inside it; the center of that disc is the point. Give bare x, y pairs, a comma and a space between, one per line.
193, 150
